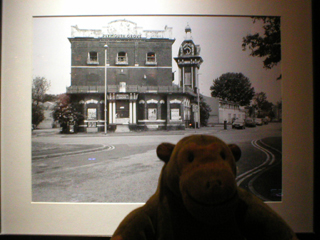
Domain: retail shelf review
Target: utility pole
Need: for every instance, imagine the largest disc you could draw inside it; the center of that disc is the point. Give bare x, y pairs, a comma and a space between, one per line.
105, 89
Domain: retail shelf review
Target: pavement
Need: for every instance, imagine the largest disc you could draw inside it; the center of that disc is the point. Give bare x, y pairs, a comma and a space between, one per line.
44, 150
56, 131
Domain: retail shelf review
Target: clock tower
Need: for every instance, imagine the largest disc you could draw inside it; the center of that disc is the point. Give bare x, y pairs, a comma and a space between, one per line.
189, 61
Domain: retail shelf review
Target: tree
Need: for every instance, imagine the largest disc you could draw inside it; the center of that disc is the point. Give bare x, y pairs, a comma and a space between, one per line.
50, 98
40, 86
261, 103
66, 112
234, 87
268, 45
278, 110
204, 112
259, 99
37, 114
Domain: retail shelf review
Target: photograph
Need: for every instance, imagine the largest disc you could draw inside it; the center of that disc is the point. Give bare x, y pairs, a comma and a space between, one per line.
108, 90
132, 103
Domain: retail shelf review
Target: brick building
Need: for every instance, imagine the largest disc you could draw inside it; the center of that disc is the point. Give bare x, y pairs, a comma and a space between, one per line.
134, 67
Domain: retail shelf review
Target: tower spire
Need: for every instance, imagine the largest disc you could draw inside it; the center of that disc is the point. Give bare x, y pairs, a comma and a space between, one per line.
188, 32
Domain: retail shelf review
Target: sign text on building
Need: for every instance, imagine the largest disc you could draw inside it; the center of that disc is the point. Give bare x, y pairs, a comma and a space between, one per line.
122, 96
122, 36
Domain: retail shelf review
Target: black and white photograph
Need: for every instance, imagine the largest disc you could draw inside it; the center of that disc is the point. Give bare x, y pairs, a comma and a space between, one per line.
118, 93
107, 91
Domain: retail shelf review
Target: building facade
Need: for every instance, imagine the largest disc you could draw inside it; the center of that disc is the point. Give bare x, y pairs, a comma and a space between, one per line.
121, 77
213, 103
229, 111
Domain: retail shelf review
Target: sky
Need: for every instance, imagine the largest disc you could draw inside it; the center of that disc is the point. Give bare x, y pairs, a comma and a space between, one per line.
219, 37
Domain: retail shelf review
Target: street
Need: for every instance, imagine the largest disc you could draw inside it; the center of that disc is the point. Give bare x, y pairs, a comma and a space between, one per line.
123, 167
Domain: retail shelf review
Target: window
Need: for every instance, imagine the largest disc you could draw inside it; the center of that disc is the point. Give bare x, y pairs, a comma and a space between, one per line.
152, 114
122, 87
92, 113
92, 58
122, 58
187, 76
175, 114
151, 58
187, 79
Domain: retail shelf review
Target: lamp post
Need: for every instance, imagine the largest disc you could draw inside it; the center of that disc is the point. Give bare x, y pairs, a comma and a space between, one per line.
105, 88
198, 95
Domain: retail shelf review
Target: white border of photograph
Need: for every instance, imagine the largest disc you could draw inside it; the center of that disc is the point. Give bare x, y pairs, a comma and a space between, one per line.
20, 216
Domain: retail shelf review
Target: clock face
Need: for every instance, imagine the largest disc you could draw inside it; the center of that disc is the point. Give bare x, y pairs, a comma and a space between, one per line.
187, 50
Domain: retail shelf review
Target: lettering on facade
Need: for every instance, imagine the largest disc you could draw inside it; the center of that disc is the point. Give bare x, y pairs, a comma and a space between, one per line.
135, 36
122, 96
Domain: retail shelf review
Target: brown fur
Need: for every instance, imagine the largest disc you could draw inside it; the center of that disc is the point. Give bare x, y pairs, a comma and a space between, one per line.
197, 198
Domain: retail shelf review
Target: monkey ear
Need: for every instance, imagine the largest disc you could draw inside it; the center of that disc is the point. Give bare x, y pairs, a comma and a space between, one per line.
164, 151
236, 151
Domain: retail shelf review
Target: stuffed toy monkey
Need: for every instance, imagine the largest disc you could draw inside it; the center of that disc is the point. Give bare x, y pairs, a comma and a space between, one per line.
197, 198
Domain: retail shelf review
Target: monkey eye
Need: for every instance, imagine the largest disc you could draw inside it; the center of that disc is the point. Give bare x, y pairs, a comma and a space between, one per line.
223, 155
190, 157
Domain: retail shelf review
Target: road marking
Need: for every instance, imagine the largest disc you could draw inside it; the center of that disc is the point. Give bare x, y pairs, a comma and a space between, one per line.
250, 184
247, 176
53, 155
269, 160
267, 152
277, 150
65, 169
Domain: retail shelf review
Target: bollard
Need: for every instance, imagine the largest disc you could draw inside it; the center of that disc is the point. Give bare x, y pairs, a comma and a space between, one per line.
225, 125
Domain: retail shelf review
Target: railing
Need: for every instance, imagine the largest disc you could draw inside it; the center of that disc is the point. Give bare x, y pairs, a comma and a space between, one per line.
129, 89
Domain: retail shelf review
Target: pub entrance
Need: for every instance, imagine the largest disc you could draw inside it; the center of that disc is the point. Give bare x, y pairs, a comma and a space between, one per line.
122, 112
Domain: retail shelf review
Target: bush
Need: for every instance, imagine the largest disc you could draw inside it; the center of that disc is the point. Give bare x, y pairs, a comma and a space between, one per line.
111, 127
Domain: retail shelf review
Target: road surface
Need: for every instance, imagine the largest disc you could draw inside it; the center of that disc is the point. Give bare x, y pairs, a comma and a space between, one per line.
125, 168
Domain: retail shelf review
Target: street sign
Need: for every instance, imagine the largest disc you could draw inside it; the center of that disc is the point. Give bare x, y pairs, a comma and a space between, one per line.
195, 108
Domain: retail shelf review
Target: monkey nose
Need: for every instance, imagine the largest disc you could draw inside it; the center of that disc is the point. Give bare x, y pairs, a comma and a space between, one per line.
213, 184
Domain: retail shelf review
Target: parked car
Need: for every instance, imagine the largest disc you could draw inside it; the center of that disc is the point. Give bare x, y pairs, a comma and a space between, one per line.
250, 122
239, 124
259, 121
266, 120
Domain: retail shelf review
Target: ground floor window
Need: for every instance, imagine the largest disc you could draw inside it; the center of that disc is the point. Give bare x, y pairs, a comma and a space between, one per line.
152, 114
175, 114
92, 114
